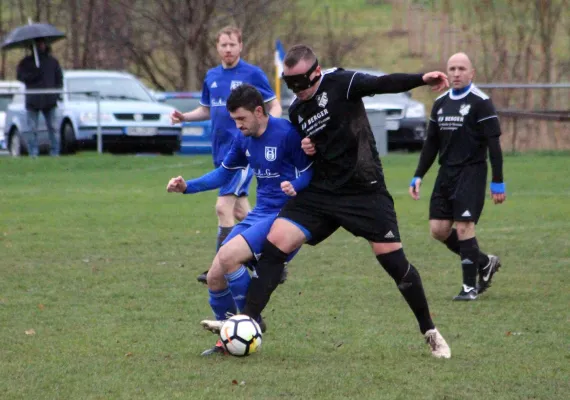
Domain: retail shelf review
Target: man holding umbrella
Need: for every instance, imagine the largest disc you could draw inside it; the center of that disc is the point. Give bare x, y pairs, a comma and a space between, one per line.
38, 71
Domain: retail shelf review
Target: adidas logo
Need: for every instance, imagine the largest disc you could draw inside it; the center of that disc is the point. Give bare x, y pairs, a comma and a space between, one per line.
247, 153
440, 111
213, 85
389, 235
300, 119
466, 261
466, 214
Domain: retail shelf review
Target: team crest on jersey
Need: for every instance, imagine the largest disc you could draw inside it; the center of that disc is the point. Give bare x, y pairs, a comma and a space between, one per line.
464, 109
270, 153
323, 99
235, 84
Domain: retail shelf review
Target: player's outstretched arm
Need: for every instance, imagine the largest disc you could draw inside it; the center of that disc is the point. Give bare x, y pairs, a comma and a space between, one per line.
362, 85
212, 180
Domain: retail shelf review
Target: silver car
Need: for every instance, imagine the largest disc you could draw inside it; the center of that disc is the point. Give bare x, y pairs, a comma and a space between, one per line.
130, 117
406, 120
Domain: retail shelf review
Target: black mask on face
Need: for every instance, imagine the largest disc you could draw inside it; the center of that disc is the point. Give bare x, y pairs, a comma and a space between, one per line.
298, 83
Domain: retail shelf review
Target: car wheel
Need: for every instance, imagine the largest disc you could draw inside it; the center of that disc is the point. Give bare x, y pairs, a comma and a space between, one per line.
69, 142
15, 143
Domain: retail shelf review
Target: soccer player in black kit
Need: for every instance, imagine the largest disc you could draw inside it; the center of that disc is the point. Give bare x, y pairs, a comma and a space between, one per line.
348, 188
463, 126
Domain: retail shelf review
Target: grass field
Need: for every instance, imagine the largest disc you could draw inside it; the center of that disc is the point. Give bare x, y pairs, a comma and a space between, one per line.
98, 298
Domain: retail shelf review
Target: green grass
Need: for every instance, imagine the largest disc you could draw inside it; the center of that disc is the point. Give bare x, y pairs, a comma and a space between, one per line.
101, 262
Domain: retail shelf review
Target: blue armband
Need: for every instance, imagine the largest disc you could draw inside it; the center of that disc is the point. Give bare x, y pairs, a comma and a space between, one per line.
414, 180
497, 188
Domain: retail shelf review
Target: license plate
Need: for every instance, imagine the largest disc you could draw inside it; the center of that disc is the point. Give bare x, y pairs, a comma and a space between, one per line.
141, 131
392, 125
192, 131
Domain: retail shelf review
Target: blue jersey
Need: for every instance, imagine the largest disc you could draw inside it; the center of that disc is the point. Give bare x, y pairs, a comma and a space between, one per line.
217, 86
274, 157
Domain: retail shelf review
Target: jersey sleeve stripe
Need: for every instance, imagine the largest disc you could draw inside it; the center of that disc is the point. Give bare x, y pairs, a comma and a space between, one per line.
350, 84
269, 99
432, 120
226, 167
483, 119
204, 105
306, 168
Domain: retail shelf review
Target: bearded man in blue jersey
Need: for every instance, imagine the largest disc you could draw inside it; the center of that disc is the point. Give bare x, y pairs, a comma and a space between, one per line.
232, 200
271, 147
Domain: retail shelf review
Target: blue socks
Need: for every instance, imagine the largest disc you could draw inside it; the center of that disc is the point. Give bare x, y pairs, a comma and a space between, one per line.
238, 282
222, 303
232, 298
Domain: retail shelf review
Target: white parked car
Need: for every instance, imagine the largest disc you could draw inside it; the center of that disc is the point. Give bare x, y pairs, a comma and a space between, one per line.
7, 91
131, 119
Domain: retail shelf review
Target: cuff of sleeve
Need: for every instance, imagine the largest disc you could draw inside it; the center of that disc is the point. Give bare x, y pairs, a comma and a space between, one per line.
414, 180
497, 188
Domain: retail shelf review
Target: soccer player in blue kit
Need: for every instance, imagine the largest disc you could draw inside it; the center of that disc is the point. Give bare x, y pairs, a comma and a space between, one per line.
272, 148
232, 200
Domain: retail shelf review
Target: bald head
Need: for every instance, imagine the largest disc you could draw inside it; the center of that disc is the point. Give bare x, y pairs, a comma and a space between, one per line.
460, 70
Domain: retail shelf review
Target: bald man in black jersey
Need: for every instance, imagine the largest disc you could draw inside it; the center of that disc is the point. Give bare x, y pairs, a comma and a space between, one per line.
463, 127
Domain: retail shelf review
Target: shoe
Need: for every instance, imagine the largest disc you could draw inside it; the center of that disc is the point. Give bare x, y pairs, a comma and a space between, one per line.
217, 349
486, 274
212, 325
215, 326
438, 345
284, 275
467, 294
203, 277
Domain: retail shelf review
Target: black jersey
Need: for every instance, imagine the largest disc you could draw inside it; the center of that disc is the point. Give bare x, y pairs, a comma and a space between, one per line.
346, 158
462, 125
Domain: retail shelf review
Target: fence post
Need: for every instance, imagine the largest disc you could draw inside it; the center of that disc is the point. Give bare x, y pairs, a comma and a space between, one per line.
99, 133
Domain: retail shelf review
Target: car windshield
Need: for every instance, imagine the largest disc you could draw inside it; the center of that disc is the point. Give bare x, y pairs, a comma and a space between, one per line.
183, 104
108, 88
397, 98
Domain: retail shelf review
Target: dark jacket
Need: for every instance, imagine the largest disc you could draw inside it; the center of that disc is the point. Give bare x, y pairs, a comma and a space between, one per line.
47, 76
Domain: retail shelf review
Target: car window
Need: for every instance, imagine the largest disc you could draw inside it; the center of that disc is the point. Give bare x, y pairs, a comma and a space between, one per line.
183, 104
108, 88
5, 99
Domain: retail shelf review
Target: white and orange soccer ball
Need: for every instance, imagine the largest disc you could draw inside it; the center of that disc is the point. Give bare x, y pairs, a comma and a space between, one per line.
241, 335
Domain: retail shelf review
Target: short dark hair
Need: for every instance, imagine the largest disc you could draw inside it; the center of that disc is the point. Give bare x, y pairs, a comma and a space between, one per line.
247, 97
297, 53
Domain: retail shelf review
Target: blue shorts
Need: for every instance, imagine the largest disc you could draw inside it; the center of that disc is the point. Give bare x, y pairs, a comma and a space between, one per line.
239, 185
254, 229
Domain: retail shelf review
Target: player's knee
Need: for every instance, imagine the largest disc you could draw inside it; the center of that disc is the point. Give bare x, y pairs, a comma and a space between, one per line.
216, 279
439, 233
226, 260
240, 213
222, 210
286, 236
465, 230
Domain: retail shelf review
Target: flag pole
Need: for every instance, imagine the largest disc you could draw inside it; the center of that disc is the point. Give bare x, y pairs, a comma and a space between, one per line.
277, 84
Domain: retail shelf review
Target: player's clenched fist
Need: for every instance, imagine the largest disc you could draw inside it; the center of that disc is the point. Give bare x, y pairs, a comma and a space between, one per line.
288, 188
308, 147
176, 117
176, 185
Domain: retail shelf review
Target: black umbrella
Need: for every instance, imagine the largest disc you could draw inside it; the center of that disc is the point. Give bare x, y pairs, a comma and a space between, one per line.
24, 36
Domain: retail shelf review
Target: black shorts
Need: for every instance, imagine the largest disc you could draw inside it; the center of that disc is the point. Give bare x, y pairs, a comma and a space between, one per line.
370, 215
459, 193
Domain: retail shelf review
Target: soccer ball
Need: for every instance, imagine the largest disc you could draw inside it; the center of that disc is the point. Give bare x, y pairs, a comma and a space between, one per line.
241, 335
